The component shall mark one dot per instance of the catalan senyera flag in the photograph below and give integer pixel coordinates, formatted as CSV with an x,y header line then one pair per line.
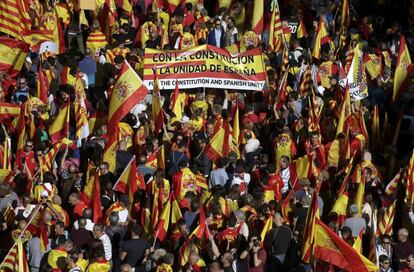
x,y
330,248
62,12
322,37
14,17
281,96
81,118
347,172
340,207
345,17
130,180
164,221
393,184
386,221
9,215
401,72
219,145
184,253
309,231
157,111
201,182
409,181
96,40
12,54
257,18
16,259
276,31
301,32
127,92
46,161
306,83
59,128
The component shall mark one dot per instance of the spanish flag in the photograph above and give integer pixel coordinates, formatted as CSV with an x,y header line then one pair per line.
x,y
164,221
219,146
9,110
157,111
322,37
59,128
344,121
286,208
12,54
358,242
268,224
43,235
340,208
301,32
401,69
386,221
42,85
35,37
92,191
330,248
177,108
309,232
375,128
16,259
409,179
281,95
176,214
128,91
14,17
236,125
172,5
359,197
21,127
130,180
202,230
345,17
257,18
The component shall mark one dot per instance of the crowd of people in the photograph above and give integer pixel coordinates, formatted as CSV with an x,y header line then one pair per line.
x,y
302,154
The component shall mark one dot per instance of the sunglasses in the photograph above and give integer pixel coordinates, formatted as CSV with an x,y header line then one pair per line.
x,y
30,146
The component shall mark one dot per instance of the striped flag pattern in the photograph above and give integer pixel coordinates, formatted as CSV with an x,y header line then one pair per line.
x,y
276,31
392,186
306,83
409,179
14,17
386,222
16,260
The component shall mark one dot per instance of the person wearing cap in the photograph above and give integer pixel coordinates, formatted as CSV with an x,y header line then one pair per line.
x,y
356,223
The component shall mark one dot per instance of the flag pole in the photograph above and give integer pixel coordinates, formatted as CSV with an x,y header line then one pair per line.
x,y
123,172
20,236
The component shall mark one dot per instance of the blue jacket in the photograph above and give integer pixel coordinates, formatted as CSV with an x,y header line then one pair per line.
x,y
211,37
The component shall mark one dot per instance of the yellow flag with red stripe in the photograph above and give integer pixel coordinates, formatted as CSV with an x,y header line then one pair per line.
x,y
266,228
59,128
401,69
164,221
12,55
257,18
128,91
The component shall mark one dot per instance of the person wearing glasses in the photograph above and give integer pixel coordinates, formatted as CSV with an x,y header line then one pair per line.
x,y
216,34
384,248
385,264
25,160
22,91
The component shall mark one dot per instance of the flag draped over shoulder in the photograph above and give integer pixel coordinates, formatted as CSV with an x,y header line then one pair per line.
x,y
14,17
401,69
330,248
257,19
59,128
128,91
16,260
12,55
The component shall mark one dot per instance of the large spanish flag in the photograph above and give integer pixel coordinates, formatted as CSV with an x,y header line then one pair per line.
x,y
128,91
12,55
330,248
14,17
401,69
59,128
257,18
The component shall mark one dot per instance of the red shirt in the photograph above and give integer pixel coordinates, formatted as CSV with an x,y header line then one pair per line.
x,y
250,117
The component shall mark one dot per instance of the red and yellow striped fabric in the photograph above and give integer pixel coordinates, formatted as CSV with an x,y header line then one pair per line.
x,y
60,126
14,17
12,54
96,41
386,221
16,260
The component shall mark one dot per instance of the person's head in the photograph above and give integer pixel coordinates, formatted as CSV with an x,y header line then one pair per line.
x,y
82,222
346,233
410,261
384,261
222,163
278,219
22,83
98,230
113,218
104,168
87,213
386,241
28,146
22,224
215,266
402,235
217,23
136,231
284,161
314,138
227,259
353,210
122,145
59,228
126,268
74,199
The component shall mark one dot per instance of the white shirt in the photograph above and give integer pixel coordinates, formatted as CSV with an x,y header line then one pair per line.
x,y
251,146
285,175
237,180
107,246
89,225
